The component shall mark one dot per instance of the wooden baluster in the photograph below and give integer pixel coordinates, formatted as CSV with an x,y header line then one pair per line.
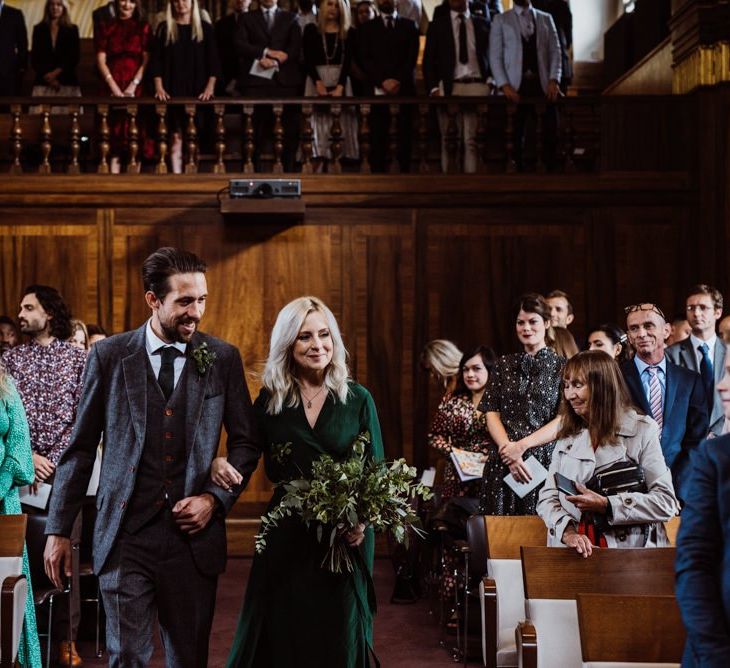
x,y
45,166
74,167
307,135
481,137
133,165
540,137
162,145
568,141
248,142
104,146
452,141
393,138
423,167
364,138
511,167
16,139
220,133
278,167
596,125
191,135
335,164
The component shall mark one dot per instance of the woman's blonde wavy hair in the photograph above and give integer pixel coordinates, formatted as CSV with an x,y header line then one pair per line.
x,y
279,376
196,20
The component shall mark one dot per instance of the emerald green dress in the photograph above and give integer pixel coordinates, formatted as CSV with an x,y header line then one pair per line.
x,y
295,613
16,469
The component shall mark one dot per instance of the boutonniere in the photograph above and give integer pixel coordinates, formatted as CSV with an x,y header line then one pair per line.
x,y
204,358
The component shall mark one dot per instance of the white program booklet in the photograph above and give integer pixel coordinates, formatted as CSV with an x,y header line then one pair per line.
x,y
262,72
537,471
37,500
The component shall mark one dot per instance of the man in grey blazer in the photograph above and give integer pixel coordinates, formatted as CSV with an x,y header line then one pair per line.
x,y
525,60
159,395
703,351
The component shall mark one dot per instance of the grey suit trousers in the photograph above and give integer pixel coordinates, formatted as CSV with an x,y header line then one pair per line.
x,y
151,574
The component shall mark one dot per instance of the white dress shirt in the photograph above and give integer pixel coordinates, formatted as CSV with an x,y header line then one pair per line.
x,y
153,343
471,67
696,343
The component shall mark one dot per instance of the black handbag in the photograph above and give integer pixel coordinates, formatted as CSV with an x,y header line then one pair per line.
x,y
620,477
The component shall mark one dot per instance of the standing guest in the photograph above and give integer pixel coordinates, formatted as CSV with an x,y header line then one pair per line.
x,y
101,15
561,310
327,51
703,550
478,7
269,39
413,10
388,53
679,330
672,395
184,63
122,54
295,613
96,334
703,351
723,329
525,59
456,62
161,395
56,53
9,334
610,339
442,359
16,470
307,13
47,373
225,35
521,403
563,19
79,335
599,429
564,343
13,50
364,11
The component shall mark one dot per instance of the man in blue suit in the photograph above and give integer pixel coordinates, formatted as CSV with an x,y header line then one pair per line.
x,y
672,395
703,550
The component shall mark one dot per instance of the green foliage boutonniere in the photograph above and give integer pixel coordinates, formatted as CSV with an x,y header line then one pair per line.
x,y
204,358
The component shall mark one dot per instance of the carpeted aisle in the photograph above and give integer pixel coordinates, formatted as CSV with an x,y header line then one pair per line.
x,y
405,635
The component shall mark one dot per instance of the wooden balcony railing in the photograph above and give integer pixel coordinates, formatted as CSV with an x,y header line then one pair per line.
x,y
77,135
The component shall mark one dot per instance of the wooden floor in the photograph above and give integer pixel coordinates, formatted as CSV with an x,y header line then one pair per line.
x,y
405,635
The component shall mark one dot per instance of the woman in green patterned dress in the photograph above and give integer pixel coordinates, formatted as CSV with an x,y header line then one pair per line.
x,y
16,469
297,613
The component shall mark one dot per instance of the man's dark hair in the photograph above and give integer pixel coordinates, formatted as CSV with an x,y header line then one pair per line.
x,y
559,294
7,320
96,330
52,302
703,289
166,262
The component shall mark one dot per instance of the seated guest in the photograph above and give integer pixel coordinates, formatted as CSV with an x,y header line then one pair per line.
x,y
269,39
610,339
363,12
225,34
13,50
563,343
56,53
442,359
327,57
388,52
96,333
525,59
79,335
184,63
598,430
9,333
456,62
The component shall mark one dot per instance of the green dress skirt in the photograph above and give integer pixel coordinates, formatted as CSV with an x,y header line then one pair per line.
x,y
295,613
16,469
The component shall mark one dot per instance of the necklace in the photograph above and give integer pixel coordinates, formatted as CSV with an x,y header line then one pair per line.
x,y
310,399
327,56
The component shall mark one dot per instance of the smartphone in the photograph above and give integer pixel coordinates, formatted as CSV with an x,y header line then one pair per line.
x,y
565,485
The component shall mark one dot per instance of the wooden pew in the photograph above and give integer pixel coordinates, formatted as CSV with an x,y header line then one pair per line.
x,y
630,629
13,586
553,578
672,529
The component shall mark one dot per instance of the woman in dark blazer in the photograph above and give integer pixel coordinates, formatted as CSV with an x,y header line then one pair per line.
x,y
56,51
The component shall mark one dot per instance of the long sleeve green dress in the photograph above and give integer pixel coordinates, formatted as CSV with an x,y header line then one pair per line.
x,y
296,613
16,469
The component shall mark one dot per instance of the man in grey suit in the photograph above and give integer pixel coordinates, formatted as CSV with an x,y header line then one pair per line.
x,y
160,395
703,351
525,60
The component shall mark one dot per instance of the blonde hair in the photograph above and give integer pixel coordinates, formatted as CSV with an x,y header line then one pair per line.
x,y
279,376
64,20
563,342
196,20
443,357
344,19
79,326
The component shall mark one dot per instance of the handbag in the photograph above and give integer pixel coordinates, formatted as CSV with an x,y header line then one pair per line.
x,y
626,476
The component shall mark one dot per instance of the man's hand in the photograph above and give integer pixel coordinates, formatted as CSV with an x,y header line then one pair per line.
x,y
588,501
281,56
511,94
268,63
553,90
193,513
391,86
43,466
57,559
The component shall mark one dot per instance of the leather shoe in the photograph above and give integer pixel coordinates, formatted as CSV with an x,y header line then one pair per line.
x,y
67,654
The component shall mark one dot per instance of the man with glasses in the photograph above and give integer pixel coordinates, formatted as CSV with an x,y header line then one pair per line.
x,y
674,396
703,351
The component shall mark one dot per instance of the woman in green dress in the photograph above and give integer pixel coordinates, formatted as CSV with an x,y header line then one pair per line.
x,y
16,469
297,613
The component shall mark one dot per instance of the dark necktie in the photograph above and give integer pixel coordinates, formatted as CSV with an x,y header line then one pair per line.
x,y
389,20
463,53
706,374
166,379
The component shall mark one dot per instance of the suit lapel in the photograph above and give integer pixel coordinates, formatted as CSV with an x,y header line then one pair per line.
x,y
262,21
719,364
689,359
671,389
196,385
636,388
134,367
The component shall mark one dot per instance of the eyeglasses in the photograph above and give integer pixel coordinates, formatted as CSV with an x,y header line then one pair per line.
x,y
703,308
644,307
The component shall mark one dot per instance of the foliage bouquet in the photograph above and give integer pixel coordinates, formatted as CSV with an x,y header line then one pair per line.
x,y
340,495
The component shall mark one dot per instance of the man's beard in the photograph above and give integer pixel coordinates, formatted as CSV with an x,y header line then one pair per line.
x,y
173,333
